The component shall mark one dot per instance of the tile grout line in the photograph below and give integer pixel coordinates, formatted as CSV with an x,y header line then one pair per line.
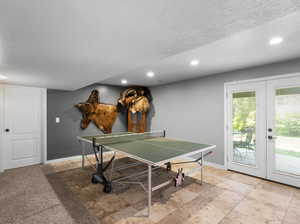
x,y
35,213
289,204
232,209
244,197
281,221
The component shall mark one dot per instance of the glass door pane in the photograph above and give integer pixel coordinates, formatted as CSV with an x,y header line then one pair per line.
x,y
244,128
287,129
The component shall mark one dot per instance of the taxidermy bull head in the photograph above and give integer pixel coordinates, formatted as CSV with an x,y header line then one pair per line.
x,y
135,99
103,115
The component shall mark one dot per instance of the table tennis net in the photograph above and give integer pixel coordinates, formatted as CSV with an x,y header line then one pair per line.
x,y
126,137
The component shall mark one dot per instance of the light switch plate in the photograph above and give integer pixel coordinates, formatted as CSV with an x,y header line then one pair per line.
x,y
57,120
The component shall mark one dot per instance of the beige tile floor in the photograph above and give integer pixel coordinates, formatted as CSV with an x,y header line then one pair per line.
x,y
226,197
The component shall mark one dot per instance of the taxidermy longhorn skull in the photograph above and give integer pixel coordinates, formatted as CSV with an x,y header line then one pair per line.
x,y
103,115
135,99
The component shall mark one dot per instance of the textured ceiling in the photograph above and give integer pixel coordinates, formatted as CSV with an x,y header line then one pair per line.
x,y
244,49
68,44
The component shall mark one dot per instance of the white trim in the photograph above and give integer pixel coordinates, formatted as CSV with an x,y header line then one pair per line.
x,y
43,123
44,127
226,85
78,157
287,80
1,127
267,78
215,165
259,87
273,174
225,127
63,159
206,163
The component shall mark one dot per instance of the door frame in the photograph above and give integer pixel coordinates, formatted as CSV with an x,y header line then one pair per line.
x,y
273,174
43,123
259,168
44,126
226,101
1,127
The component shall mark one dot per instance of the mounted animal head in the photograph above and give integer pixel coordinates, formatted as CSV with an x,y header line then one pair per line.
x,y
87,109
135,99
103,115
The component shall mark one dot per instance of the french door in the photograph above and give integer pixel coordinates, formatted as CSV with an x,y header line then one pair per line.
x,y
284,130
246,128
263,129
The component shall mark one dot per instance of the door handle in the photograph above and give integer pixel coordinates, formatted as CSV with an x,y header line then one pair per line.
x,y
270,137
7,130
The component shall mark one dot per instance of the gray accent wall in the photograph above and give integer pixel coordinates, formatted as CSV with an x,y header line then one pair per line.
x,y
194,109
61,137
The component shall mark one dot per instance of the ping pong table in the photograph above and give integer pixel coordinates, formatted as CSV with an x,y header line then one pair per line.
x,y
150,148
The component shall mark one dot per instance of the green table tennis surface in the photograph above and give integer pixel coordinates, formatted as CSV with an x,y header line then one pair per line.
x,y
149,149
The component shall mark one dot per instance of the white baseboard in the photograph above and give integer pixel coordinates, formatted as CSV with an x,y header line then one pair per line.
x,y
71,158
215,165
64,159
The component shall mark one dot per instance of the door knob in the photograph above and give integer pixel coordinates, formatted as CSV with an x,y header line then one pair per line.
x,y
7,130
270,137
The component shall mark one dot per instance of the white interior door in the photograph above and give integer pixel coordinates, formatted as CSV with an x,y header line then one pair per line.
x,y
283,148
245,128
22,126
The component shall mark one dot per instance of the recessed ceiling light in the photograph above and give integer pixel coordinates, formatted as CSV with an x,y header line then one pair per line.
x,y
2,77
275,40
150,74
124,81
194,62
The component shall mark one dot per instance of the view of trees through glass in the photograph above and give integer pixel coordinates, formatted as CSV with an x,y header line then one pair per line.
x,y
288,112
286,131
244,125
287,146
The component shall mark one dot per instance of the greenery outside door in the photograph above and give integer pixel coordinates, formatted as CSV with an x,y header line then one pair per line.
x,y
246,128
263,128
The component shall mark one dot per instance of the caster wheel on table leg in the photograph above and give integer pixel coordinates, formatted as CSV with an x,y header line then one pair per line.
x,y
94,180
169,166
107,188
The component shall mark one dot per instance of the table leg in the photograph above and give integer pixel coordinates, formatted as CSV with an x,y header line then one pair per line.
x,y
82,153
201,167
112,168
149,189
